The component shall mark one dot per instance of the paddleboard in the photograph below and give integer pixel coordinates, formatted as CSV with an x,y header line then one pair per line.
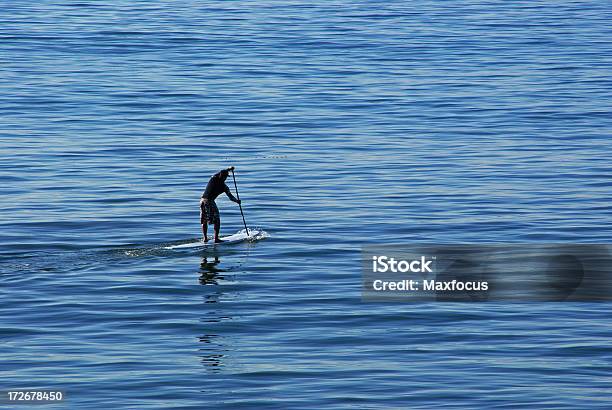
x,y
254,234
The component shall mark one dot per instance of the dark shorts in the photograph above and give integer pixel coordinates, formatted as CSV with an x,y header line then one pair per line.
x,y
208,212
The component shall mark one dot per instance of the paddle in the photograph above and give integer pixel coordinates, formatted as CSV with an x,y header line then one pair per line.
x,y
239,204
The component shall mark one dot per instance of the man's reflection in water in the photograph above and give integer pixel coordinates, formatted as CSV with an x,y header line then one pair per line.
x,y
209,273
211,349
212,353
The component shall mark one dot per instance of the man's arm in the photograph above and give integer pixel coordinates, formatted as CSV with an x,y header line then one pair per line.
x,y
230,196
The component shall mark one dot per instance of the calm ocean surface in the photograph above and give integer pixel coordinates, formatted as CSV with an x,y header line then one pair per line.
x,y
349,123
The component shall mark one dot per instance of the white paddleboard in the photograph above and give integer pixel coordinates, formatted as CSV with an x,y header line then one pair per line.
x,y
254,234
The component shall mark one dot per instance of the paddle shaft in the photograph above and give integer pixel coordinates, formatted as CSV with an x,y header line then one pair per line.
x,y
239,204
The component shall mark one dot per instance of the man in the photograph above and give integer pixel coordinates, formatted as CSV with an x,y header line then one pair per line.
x,y
209,213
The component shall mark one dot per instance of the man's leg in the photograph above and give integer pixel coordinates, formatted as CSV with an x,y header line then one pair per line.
x,y
217,220
217,229
204,219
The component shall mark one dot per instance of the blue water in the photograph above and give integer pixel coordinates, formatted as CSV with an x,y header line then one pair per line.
x,y
349,123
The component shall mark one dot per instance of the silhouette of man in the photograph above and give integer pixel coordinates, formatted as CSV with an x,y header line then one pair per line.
x,y
209,213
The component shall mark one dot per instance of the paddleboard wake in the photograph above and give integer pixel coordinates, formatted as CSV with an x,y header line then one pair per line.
x,y
240,236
